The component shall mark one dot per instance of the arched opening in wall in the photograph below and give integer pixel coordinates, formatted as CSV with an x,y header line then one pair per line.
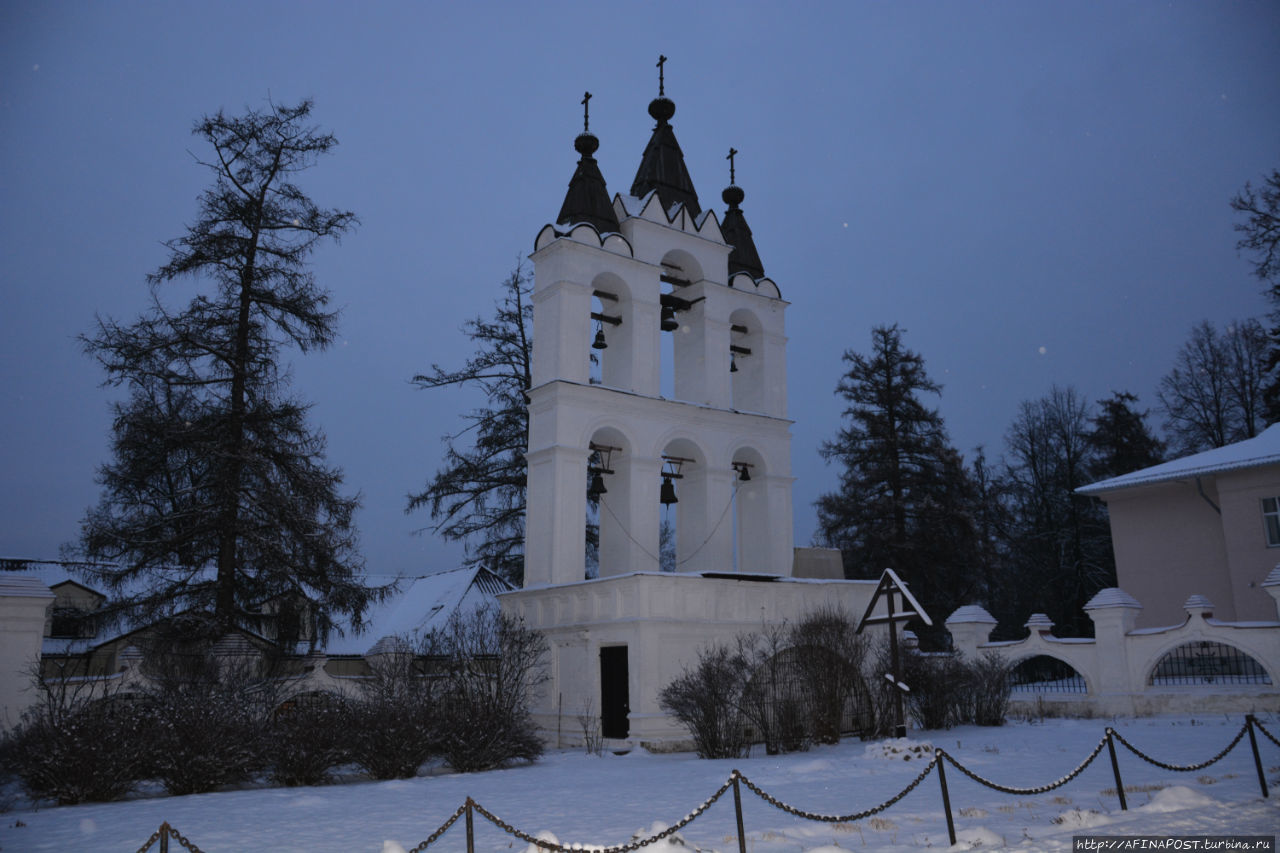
x,y
610,353
682,505
1045,674
746,361
681,342
751,528
608,504
1207,663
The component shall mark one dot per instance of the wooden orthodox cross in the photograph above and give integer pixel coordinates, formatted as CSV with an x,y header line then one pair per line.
x,y
889,586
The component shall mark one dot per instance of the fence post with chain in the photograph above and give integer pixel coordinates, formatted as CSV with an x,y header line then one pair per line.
x,y
164,837
938,756
1115,768
1257,759
737,811
471,826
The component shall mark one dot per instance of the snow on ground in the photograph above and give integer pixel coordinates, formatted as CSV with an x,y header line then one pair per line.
x,y
579,798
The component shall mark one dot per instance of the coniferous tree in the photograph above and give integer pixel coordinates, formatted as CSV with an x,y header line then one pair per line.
x,y
1261,238
904,500
1060,541
218,499
1213,396
1121,440
478,496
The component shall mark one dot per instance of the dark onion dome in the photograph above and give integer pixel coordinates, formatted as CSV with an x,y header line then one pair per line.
x,y
737,234
662,165
587,199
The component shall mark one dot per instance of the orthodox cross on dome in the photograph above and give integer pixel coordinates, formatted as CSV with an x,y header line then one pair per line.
x,y
661,82
732,153
586,115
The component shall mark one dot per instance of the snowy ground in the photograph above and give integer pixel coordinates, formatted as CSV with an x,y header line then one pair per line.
x,y
605,800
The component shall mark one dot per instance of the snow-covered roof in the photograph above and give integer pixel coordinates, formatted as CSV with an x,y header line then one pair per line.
x,y
423,605
1253,452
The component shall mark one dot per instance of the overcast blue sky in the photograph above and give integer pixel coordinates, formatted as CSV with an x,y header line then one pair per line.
x,y
1037,192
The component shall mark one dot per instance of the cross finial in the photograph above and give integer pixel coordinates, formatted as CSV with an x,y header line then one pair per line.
x,y
732,152
661,83
586,114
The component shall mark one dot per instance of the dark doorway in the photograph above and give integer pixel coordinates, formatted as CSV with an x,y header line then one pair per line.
x,y
615,697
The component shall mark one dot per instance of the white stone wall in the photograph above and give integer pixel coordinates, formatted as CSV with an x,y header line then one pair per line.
x,y
1118,662
664,620
24,601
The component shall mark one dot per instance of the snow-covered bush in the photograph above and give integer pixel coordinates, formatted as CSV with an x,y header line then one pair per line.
x,y
77,745
308,737
488,664
707,699
392,727
208,715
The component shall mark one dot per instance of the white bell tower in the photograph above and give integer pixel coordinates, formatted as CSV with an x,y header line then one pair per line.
x,y
611,279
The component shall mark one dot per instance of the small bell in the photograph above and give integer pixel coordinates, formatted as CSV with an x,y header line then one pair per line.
x,y
597,485
667,496
733,363
669,322
599,342
744,473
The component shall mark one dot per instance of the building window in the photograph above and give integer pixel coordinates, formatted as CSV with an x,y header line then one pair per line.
x,y
1271,519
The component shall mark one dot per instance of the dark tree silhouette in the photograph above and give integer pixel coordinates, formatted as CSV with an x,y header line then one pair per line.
x,y
478,496
1213,396
904,500
1260,232
218,499
1122,441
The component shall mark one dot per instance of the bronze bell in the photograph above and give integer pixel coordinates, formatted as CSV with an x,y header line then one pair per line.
x,y
668,494
599,342
597,485
669,322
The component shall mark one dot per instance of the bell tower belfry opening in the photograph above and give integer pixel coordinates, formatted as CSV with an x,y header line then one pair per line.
x,y
659,457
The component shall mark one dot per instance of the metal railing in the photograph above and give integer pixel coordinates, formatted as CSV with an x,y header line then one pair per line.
x,y
737,781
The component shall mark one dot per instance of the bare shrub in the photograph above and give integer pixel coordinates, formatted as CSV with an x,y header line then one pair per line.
x,y
707,699
488,664
391,726
589,721
208,710
80,743
308,739
829,662
774,700
989,685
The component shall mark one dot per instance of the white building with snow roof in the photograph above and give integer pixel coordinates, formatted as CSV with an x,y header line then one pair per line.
x,y
1206,524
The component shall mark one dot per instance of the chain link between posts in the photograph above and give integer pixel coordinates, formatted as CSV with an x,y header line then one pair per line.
x,y
620,848
1179,767
167,830
1006,789
1258,725
849,818
444,827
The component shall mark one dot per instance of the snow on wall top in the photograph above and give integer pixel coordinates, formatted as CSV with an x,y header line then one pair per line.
x,y
1112,596
1253,452
23,586
1197,600
1273,577
970,613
